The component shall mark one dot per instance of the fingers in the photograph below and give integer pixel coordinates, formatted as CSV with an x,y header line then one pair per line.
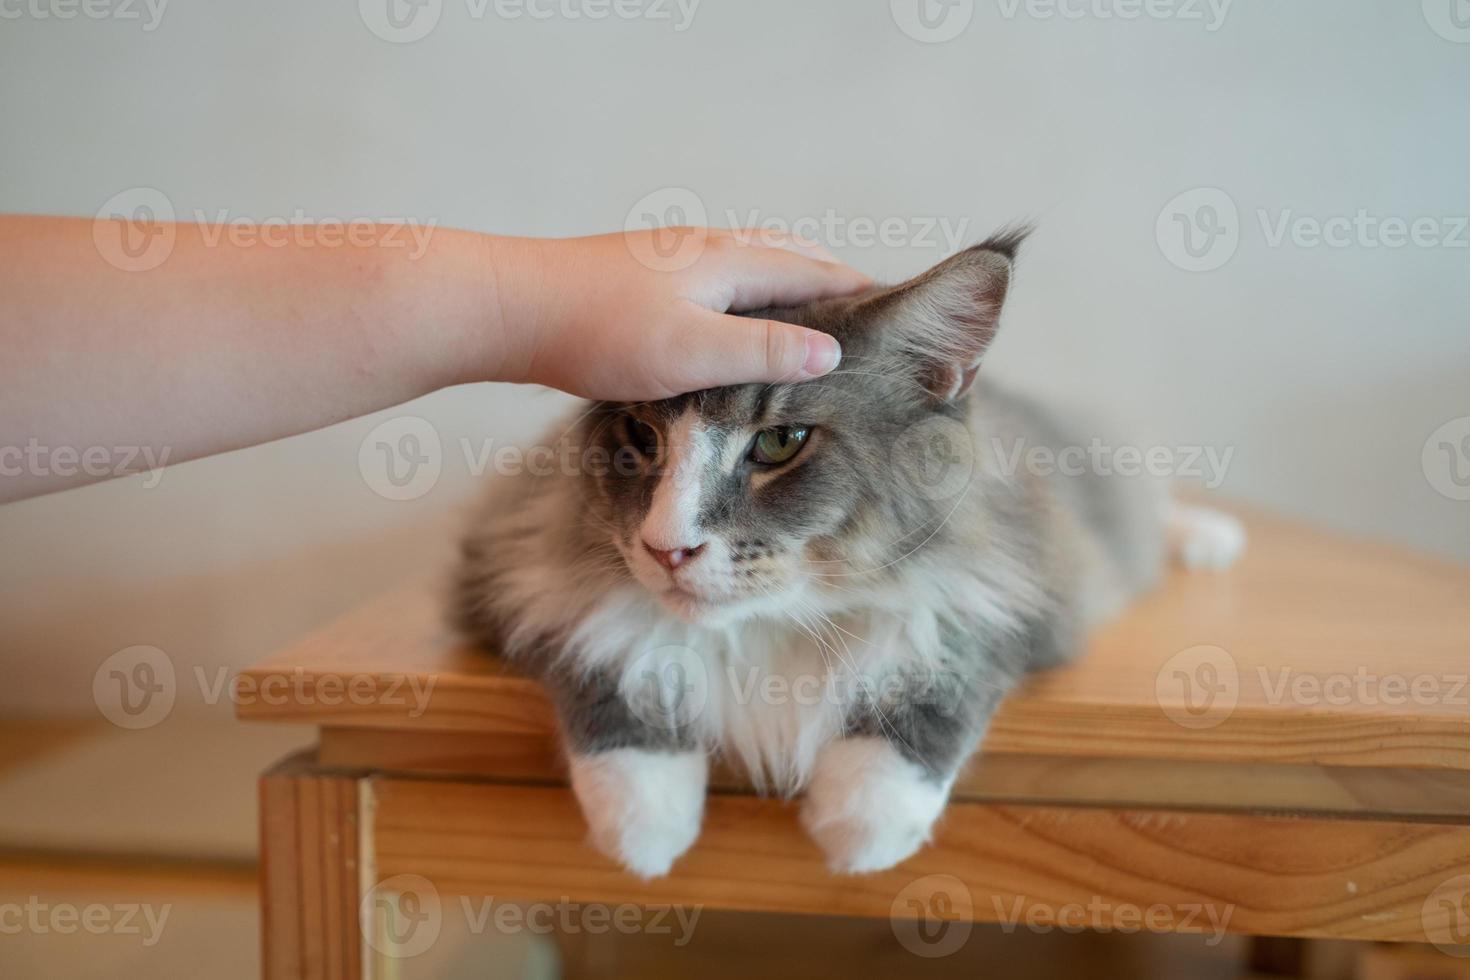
x,y
719,349
752,276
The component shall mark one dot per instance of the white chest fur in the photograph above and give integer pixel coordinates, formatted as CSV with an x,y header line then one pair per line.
x,y
766,694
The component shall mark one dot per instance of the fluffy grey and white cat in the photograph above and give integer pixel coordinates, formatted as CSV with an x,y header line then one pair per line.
x,y
830,584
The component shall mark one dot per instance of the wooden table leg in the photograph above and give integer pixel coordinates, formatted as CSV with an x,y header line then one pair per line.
x,y
310,889
1278,956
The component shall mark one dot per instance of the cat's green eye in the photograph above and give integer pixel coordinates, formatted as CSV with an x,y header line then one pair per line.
x,y
641,436
779,445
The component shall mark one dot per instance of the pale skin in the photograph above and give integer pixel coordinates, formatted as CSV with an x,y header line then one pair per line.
x,y
232,342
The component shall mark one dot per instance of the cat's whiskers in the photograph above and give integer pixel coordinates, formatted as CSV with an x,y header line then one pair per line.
x,y
602,559
597,524
815,611
909,533
877,703
850,663
888,564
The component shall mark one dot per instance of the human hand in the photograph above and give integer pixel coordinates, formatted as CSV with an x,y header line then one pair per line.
x,y
255,344
602,318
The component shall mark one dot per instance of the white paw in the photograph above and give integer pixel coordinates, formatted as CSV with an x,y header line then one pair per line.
x,y
1205,538
643,808
868,808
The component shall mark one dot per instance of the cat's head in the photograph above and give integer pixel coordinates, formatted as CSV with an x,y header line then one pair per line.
x,y
754,499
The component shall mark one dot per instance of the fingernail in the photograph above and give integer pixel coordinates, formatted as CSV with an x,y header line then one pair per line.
x,y
823,353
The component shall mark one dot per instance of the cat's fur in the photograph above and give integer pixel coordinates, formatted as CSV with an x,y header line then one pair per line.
x,y
870,602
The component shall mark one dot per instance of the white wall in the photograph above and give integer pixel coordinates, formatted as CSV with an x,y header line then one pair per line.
x,y
1325,368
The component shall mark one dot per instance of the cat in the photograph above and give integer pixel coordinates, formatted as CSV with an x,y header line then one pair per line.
x,y
830,584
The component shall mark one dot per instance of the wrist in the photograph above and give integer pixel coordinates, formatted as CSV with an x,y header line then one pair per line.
x,y
493,286
517,307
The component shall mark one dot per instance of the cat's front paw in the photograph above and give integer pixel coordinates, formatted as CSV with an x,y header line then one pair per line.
x,y
643,808
868,808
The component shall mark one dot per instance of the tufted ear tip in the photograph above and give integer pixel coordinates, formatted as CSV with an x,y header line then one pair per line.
x,y
1007,241
943,320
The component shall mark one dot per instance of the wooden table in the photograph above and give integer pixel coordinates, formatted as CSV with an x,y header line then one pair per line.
x,y
1285,746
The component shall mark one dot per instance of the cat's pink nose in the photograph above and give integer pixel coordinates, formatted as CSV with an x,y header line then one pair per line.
x,y
673,559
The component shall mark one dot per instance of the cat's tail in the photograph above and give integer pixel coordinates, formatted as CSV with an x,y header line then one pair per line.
x,y
1202,537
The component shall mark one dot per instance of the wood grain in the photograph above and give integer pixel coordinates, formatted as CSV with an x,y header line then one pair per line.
x,y
309,873
1362,879
990,778
1326,639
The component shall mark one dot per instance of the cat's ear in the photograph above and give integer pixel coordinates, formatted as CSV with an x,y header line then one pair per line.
x,y
941,322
